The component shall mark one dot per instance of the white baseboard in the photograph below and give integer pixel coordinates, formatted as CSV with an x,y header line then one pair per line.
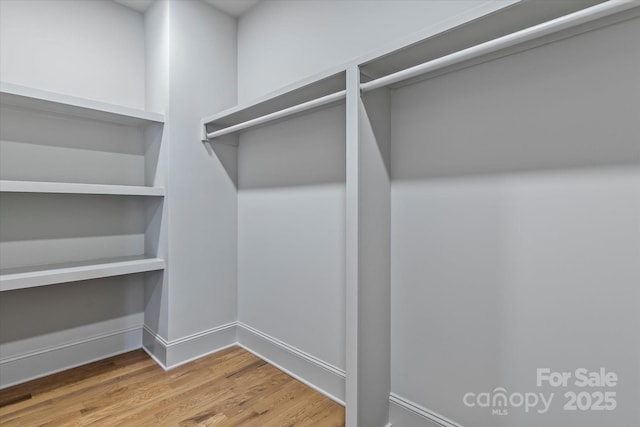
x,y
153,345
171,354
403,412
29,366
317,374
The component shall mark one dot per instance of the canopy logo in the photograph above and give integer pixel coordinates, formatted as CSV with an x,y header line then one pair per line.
x,y
500,401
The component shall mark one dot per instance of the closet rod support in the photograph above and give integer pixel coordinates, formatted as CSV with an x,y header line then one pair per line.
x,y
318,102
546,28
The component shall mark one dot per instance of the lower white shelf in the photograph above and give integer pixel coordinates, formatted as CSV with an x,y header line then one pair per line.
x,y
41,275
7,186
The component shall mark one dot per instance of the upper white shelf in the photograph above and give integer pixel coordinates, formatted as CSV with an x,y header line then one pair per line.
x,y
42,275
7,186
521,26
36,99
309,94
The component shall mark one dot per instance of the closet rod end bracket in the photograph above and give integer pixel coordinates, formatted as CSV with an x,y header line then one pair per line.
x,y
205,138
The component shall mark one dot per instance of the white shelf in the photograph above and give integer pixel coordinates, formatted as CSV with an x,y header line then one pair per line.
x,y
74,188
29,277
521,26
36,99
330,86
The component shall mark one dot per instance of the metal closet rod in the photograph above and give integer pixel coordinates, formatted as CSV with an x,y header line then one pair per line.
x,y
574,19
279,114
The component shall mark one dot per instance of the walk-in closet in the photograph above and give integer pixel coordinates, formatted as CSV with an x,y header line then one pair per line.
x,y
360,213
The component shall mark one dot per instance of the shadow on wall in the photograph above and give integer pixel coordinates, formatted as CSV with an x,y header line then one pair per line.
x,y
58,216
307,150
57,130
535,111
226,154
47,316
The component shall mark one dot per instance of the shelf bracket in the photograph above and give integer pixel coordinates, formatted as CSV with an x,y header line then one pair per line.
x,y
204,137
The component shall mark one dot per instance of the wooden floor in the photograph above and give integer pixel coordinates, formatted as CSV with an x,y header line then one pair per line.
x,y
230,388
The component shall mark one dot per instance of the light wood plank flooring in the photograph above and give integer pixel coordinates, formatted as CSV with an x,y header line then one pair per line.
x,y
229,388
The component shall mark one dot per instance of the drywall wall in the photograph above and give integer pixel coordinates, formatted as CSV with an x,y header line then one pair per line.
x,y
291,224
191,309
516,232
157,44
282,41
156,293
92,49
202,190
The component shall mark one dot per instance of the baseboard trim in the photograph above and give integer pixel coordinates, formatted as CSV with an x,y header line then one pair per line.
x,y
317,374
40,363
405,412
171,354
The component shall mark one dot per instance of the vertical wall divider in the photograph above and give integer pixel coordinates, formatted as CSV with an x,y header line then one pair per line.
x,y
374,257
368,236
352,245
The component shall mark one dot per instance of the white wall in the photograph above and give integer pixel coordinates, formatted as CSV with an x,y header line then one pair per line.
x,y
283,41
92,49
157,62
156,54
516,229
202,190
291,222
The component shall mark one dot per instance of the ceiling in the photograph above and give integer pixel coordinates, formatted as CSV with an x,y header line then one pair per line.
x,y
139,5
232,7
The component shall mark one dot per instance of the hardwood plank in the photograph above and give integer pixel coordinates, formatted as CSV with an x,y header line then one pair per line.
x,y
187,391
230,388
67,397
9,400
60,379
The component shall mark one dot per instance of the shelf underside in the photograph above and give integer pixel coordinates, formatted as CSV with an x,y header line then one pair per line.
x,y
41,275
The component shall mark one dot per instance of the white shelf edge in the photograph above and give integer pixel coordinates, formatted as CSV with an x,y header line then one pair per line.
x,y
34,97
72,272
8,186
